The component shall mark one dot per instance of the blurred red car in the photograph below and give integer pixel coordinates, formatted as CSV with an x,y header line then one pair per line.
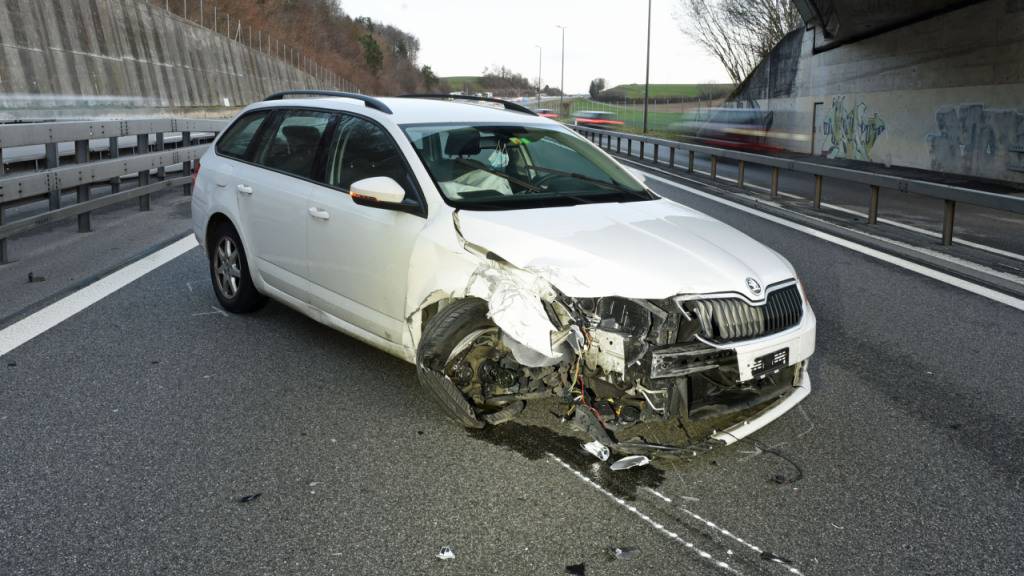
x,y
596,119
546,113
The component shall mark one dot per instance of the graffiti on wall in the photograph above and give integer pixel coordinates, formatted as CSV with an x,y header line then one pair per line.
x,y
850,132
976,140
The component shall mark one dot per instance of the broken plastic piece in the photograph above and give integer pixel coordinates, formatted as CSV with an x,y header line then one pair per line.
x,y
506,414
625,553
598,450
446,553
630,462
249,498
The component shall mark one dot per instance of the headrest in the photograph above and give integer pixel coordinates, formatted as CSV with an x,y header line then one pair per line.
x,y
464,142
301,135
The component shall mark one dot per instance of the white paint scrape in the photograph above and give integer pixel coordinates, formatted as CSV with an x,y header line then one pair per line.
x,y
28,328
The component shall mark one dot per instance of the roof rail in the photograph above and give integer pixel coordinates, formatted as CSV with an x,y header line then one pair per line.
x,y
370,101
508,105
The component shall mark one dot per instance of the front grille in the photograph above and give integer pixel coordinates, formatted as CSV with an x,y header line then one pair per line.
x,y
727,319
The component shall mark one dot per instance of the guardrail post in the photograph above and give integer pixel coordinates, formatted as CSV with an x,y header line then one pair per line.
x,y
655,157
629,146
142,148
186,166
817,191
873,207
689,165
618,143
714,166
740,175
161,172
82,157
52,160
641,150
947,222
672,157
775,182
115,152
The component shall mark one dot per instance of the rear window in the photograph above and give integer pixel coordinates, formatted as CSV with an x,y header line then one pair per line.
x,y
236,140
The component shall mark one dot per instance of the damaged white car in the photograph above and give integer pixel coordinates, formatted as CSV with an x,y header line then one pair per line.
x,y
509,259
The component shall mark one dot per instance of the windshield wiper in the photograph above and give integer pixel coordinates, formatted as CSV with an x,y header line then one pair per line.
x,y
609,185
489,170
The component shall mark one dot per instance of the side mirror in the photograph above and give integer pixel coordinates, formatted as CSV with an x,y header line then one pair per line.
x,y
376,191
637,174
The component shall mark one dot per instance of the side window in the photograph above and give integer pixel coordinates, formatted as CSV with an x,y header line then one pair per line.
x,y
362,149
293,146
239,135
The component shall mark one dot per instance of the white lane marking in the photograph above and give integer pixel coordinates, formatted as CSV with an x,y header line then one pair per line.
x,y
658,494
31,326
949,279
650,521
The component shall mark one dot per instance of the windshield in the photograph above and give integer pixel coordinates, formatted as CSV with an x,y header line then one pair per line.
x,y
509,167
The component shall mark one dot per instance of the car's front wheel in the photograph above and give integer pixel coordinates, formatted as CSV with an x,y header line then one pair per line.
x,y
229,270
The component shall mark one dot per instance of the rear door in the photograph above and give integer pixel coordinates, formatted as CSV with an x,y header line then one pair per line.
x,y
273,197
359,255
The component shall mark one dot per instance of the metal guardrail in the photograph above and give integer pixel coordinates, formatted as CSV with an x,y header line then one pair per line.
x,y
949,194
148,157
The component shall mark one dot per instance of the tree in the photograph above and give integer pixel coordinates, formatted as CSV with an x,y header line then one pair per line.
x,y
596,86
740,33
372,53
430,80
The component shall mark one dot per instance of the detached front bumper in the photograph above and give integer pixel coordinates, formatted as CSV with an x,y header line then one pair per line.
x,y
743,429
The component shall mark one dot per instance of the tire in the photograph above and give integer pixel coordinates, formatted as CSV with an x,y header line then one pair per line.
x,y
229,271
440,336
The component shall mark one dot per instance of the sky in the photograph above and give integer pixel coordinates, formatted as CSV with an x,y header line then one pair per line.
x,y
603,38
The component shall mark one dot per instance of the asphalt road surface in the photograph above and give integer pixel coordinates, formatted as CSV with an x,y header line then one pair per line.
x,y
154,434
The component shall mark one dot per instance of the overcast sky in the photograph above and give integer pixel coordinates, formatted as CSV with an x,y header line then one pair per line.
x,y
603,38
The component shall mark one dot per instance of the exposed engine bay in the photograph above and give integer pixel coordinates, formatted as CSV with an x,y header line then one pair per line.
x,y
618,363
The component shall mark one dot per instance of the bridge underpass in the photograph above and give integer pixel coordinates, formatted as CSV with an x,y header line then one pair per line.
x,y
134,430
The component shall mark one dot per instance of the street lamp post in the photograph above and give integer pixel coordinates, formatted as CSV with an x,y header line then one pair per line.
x,y
647,76
561,82
540,60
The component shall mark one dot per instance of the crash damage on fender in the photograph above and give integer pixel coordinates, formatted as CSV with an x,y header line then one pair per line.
x,y
621,354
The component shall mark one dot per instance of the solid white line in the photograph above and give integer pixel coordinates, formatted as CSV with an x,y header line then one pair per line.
x,y
28,328
949,279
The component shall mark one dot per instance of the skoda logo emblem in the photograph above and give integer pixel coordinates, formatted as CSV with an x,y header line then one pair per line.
x,y
754,287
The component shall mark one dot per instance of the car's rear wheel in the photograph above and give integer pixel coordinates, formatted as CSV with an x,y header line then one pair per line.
x,y
453,346
229,270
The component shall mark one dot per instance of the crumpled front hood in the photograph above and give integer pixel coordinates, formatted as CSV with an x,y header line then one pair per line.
x,y
652,250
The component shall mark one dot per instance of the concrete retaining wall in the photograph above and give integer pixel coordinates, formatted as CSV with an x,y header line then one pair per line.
x,y
98,57
945,93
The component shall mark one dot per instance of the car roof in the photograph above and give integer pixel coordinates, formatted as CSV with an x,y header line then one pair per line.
x,y
416,110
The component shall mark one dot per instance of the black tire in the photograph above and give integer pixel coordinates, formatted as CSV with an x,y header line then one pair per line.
x,y
440,336
238,294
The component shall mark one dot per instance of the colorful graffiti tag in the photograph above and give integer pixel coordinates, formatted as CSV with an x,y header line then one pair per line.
x,y
975,139
850,133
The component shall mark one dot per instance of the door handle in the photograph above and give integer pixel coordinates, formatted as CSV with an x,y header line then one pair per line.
x,y
319,214
247,190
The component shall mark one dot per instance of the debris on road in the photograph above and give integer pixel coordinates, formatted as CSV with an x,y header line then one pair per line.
x,y
32,278
446,553
766,555
576,569
630,462
249,498
506,414
624,553
598,450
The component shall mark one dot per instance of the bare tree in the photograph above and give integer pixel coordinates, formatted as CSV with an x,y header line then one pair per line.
x,y
740,33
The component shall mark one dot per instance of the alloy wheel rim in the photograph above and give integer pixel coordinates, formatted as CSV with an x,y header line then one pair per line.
x,y
227,268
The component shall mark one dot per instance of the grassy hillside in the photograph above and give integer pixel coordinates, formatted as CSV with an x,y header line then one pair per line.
x,y
676,92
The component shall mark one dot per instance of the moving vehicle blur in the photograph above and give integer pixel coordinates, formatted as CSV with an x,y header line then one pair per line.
x,y
740,128
596,119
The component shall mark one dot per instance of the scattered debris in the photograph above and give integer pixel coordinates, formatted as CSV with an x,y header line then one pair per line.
x,y
446,553
729,552
630,462
624,553
576,569
249,498
834,525
33,278
419,432
766,555
598,450
12,364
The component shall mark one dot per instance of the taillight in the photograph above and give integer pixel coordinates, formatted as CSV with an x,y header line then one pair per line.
x,y
195,174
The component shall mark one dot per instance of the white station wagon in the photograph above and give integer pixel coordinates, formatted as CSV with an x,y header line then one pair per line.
x,y
508,258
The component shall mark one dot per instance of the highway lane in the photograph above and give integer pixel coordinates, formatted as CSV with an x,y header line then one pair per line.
x,y
131,431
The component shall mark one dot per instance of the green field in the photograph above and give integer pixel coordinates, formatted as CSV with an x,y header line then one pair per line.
x,y
667,91
461,83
